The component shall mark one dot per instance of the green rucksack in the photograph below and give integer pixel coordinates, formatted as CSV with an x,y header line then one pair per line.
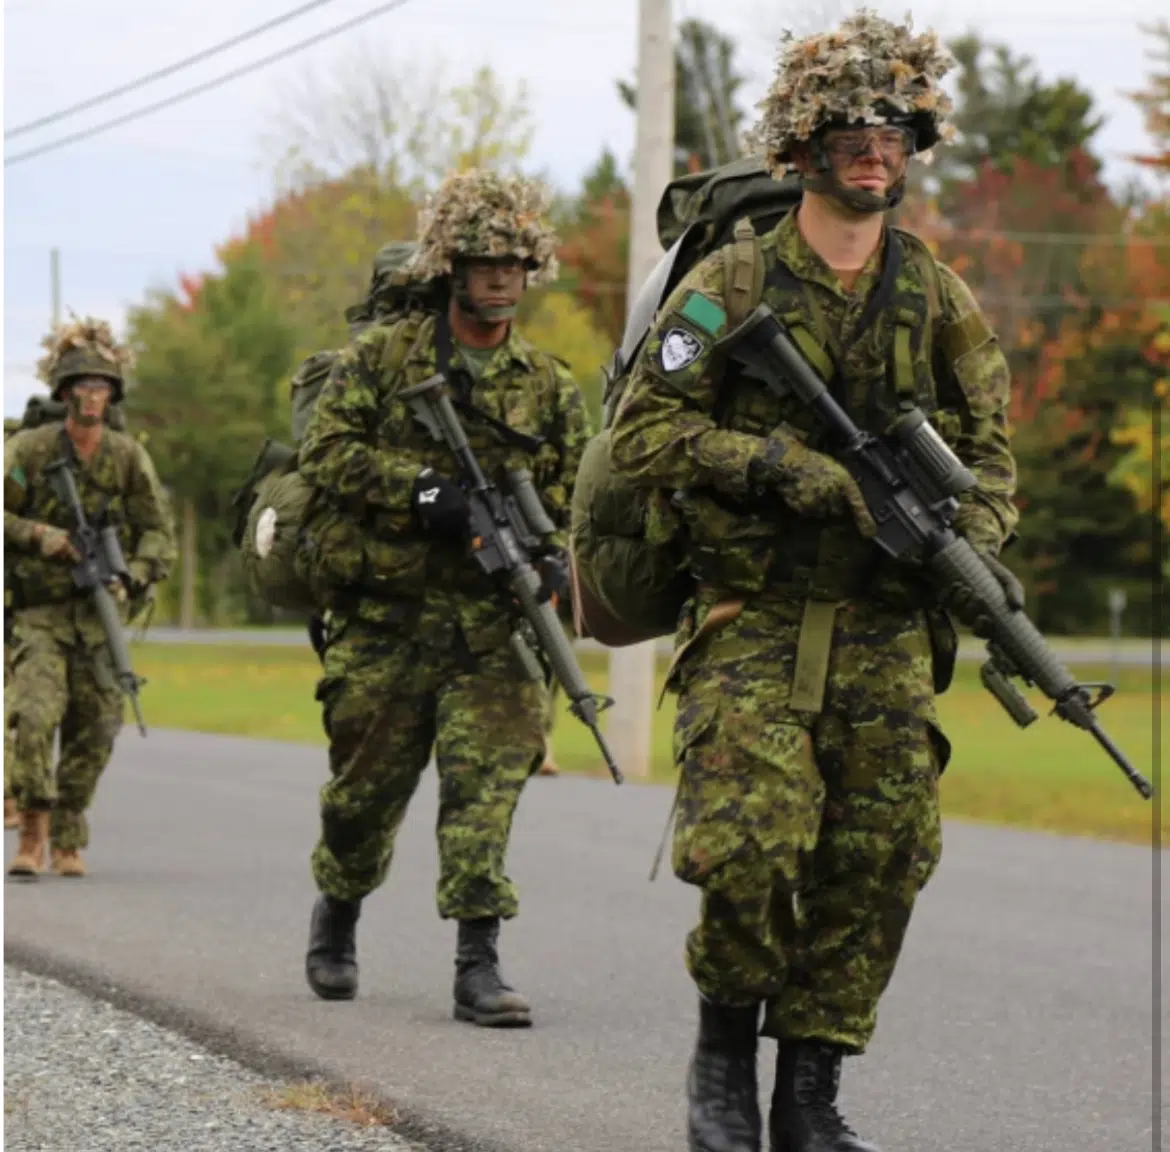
x,y
627,547
45,410
273,503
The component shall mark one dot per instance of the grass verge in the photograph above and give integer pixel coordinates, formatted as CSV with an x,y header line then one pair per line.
x,y
352,1104
1048,776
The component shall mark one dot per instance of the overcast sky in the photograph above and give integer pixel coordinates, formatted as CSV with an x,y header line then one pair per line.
x,y
137,205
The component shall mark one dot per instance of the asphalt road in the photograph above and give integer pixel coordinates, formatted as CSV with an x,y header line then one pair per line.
x,y
1020,1019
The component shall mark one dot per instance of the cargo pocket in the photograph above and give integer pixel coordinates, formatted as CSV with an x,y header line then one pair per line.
x,y
703,829
750,799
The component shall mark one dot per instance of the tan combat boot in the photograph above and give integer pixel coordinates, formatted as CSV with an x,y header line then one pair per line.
x,y
11,814
68,862
34,839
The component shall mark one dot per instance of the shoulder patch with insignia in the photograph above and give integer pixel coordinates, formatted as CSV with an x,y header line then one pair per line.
x,y
679,348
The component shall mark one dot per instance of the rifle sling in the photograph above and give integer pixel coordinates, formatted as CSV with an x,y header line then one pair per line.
x,y
510,436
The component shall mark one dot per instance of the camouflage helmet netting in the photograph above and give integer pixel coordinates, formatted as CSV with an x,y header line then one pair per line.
x,y
83,347
869,70
479,213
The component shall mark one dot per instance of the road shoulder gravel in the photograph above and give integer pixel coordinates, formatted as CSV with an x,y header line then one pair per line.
x,y
81,1075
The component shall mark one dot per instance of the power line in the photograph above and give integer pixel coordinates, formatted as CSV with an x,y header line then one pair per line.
x,y
206,86
169,70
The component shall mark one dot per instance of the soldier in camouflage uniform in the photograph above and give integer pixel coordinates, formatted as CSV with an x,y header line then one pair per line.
x,y
61,675
418,656
11,815
806,737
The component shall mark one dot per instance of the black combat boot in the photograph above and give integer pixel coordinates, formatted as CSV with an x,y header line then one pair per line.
x,y
723,1106
804,1114
481,995
331,962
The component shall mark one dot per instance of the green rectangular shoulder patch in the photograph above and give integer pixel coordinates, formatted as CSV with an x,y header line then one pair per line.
x,y
704,313
17,476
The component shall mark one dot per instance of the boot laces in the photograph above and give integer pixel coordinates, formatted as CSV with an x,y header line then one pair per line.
x,y
817,1084
827,1119
733,1078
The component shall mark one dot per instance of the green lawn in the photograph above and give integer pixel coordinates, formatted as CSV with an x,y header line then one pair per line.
x,y
1048,776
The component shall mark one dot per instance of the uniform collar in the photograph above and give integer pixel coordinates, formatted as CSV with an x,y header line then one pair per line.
x,y
794,250
514,350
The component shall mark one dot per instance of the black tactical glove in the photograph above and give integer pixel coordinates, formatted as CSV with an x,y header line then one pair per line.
x,y
554,577
959,600
440,505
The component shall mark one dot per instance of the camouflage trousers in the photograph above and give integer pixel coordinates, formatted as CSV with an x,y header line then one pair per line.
x,y
53,685
809,834
550,708
388,701
8,741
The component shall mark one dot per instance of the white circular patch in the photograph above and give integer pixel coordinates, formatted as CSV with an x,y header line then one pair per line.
x,y
265,532
679,348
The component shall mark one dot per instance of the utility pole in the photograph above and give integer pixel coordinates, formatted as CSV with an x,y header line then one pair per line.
x,y
55,284
631,670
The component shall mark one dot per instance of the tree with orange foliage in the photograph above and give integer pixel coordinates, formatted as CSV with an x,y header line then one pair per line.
x,y
594,254
317,244
1084,522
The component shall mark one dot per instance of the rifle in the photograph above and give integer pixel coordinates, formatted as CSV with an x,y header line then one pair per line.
x,y
911,481
101,563
505,528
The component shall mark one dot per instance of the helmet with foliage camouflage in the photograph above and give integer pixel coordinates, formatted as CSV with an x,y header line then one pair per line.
x,y
481,214
83,347
867,71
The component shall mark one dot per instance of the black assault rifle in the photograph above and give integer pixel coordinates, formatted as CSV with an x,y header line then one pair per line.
x,y
911,481
101,564
505,528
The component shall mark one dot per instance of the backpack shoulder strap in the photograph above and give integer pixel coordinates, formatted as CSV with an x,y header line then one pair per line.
x,y
957,338
923,260
406,334
743,272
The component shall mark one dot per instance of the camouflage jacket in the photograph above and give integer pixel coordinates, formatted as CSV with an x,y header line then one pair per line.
x,y
690,420
119,483
363,449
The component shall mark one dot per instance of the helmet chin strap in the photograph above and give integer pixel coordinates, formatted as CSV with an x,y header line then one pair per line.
x,y
825,183
494,315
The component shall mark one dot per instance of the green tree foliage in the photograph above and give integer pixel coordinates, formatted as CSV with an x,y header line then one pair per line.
x,y
1005,112
211,362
